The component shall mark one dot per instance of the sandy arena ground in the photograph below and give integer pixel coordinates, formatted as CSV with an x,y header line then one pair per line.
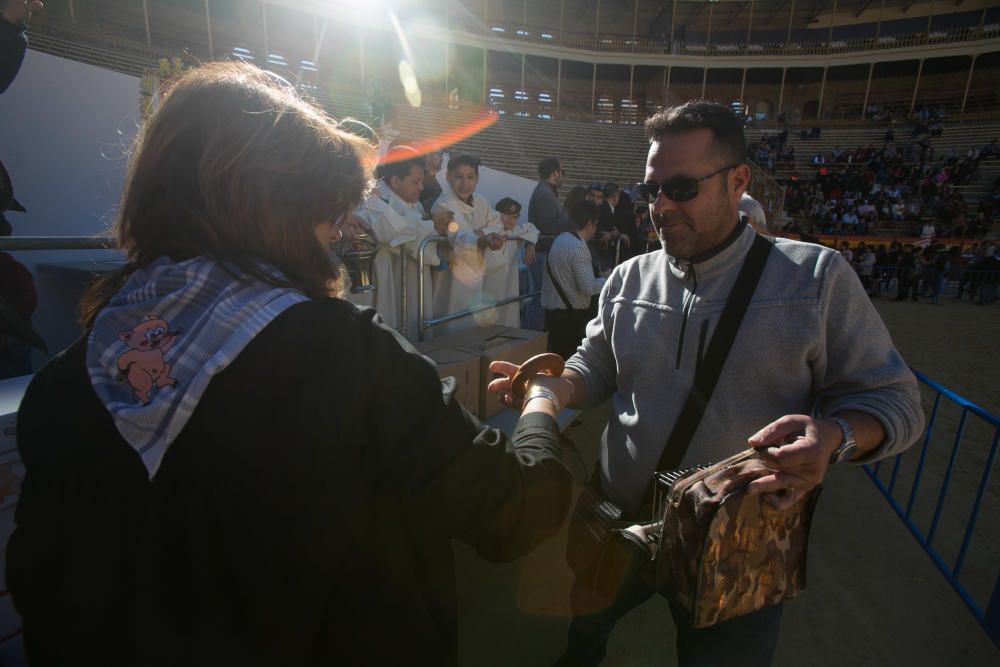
x,y
874,597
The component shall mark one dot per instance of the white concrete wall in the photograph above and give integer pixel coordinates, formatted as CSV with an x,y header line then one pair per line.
x,y
64,136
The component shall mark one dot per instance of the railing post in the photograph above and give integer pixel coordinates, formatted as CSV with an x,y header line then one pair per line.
x,y
145,16
864,105
968,83
208,23
916,86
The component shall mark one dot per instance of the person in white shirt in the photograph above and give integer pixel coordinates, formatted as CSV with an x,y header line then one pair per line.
x,y
395,217
850,222
568,283
501,279
754,213
461,287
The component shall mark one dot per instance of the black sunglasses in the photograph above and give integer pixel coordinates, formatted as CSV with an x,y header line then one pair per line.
x,y
681,188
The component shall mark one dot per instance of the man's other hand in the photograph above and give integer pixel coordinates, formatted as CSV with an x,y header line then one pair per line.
x,y
798,447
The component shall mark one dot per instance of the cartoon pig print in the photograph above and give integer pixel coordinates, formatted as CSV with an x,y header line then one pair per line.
x,y
143,366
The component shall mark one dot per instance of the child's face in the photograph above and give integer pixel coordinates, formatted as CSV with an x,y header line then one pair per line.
x,y
463,180
509,219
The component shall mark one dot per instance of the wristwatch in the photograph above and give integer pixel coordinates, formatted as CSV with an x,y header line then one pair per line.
x,y
846,450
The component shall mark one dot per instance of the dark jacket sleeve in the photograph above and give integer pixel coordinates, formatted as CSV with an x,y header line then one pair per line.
x,y
503,496
13,44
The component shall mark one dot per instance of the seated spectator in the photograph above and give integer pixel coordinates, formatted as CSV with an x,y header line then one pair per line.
x,y
502,280
897,212
850,222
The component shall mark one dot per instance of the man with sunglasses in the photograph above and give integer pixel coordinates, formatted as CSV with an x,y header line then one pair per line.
x,y
798,383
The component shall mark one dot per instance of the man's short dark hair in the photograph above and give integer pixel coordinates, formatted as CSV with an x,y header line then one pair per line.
x,y
456,161
547,167
399,161
611,189
727,131
583,212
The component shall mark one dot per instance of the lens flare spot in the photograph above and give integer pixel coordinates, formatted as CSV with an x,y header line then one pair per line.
x,y
411,88
433,144
487,317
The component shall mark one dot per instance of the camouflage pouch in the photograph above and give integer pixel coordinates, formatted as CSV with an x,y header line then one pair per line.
x,y
722,553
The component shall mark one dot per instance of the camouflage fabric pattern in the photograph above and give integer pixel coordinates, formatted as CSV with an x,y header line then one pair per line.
x,y
723,553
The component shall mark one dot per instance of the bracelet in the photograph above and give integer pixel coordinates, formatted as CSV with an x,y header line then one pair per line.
x,y
537,391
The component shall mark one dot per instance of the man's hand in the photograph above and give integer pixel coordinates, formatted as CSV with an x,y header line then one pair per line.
x,y
626,241
798,447
17,12
529,253
562,387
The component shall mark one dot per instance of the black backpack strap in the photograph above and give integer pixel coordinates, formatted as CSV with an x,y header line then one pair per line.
x,y
710,369
555,283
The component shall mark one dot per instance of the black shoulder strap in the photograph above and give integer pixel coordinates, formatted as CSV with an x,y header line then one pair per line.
x,y
555,283
710,369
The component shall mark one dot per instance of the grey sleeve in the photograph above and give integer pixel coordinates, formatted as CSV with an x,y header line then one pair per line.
x,y
595,359
859,368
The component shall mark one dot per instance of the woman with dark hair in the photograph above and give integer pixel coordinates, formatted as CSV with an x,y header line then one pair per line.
x,y
232,467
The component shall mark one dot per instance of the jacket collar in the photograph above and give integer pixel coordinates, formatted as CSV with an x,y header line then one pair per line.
x,y
719,259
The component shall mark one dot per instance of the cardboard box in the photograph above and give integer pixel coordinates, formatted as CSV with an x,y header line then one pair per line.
x,y
463,366
500,343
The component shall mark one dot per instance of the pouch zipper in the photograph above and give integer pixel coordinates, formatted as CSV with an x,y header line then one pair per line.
x,y
686,310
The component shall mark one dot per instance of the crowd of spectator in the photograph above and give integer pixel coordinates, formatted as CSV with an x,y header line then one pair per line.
x,y
914,272
898,185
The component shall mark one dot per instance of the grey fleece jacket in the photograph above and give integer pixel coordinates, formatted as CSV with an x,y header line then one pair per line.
x,y
810,343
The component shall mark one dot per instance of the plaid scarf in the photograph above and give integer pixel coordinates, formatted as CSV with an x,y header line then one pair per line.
x,y
172,327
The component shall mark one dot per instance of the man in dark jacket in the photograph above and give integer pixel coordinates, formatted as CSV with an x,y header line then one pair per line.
x,y
545,213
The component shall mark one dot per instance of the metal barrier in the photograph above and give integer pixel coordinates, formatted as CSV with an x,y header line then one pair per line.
x,y
989,618
422,326
57,243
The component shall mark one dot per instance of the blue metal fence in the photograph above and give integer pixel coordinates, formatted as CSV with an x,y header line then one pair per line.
x,y
989,618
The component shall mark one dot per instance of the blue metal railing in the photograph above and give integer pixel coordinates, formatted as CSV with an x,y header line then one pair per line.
x,y
989,618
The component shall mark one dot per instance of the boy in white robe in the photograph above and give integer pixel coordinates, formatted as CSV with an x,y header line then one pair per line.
x,y
461,287
395,216
501,280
